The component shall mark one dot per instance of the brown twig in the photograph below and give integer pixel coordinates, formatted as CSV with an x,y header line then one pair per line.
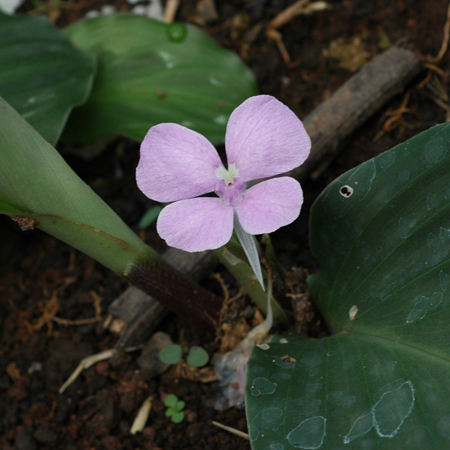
x,y
426,80
225,290
51,308
444,45
287,15
392,122
75,322
277,37
284,17
434,68
444,106
97,303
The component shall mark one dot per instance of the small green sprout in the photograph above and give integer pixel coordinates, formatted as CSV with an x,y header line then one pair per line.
x,y
174,408
197,356
170,354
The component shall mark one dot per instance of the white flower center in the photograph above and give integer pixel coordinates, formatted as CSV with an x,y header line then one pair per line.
x,y
227,175
229,187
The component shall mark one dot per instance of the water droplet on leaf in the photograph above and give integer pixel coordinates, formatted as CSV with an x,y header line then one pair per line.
x,y
176,32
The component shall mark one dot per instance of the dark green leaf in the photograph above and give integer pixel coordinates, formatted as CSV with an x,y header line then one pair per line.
x,y
42,75
150,73
381,233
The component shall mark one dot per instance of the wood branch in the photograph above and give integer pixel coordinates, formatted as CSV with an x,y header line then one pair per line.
x,y
332,122
141,313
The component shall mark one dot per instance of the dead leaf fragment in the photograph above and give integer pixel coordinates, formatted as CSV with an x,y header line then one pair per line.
x,y
351,55
287,358
207,10
25,223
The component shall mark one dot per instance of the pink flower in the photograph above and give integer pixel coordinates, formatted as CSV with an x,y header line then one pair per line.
x,y
263,138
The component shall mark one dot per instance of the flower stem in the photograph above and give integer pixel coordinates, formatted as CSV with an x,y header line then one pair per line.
x,y
233,258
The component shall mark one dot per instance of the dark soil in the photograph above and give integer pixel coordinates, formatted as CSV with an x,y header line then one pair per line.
x,y
53,300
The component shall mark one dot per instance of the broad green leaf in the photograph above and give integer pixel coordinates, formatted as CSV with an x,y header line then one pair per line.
x,y
381,233
149,73
42,75
36,183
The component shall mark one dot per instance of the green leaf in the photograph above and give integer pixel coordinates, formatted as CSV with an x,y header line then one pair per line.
x,y
381,233
179,405
170,400
149,73
150,216
178,417
36,183
250,246
170,354
42,75
197,357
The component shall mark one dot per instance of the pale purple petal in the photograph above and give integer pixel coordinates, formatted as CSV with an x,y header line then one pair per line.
x,y
265,138
270,205
196,224
176,163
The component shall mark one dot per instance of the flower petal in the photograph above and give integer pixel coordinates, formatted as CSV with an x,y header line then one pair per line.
x,y
176,163
270,205
196,224
265,138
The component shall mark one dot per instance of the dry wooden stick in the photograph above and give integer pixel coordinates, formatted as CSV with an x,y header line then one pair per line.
x,y
171,10
332,122
232,430
286,15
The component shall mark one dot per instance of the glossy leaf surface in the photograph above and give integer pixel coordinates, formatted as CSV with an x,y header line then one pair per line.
x,y
42,75
381,233
36,183
150,72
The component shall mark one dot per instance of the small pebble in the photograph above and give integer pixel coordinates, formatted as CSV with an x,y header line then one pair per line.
x,y
25,440
46,436
191,416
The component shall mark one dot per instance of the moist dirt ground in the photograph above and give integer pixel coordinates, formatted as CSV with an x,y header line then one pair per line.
x,y
53,299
